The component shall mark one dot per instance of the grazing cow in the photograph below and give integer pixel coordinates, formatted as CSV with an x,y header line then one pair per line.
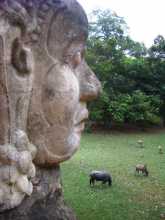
x,y
141,168
100,176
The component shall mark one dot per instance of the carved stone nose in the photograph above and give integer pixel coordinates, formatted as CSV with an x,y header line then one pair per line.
x,y
90,86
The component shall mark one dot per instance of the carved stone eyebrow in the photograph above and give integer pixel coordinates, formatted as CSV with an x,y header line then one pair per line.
x,y
30,15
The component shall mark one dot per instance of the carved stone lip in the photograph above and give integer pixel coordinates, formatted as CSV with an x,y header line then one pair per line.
x,y
80,127
82,118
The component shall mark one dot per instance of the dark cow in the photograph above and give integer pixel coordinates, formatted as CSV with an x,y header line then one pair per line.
x,y
100,176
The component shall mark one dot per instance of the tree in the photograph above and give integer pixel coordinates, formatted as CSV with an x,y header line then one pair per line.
x,y
133,80
107,24
157,50
137,108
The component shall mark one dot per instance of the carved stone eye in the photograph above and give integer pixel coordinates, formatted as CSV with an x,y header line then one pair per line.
x,y
76,60
49,93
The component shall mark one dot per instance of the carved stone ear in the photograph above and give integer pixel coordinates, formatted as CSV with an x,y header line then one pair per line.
x,y
22,58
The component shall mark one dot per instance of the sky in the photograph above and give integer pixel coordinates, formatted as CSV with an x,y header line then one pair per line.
x,y
145,18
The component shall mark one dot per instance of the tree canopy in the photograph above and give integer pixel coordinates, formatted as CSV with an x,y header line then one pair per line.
x,y
132,76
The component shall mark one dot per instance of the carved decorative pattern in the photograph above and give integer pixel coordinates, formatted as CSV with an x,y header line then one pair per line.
x,y
30,15
4,112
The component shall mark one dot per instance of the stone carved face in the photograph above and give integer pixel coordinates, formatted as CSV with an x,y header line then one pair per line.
x,y
63,84
49,82
54,68
44,87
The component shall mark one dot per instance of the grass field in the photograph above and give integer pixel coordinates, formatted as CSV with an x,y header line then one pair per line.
x,y
132,196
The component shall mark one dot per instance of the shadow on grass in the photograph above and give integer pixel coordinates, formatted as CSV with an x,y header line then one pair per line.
x,y
140,175
100,187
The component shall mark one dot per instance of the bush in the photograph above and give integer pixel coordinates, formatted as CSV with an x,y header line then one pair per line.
x,y
137,108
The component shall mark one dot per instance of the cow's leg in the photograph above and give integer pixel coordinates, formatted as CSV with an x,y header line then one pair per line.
x,y
92,181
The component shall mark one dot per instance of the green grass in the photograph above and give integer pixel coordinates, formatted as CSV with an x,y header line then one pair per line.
x,y
131,197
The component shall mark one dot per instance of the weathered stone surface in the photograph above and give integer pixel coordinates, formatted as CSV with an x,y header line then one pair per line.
x,y
45,84
46,202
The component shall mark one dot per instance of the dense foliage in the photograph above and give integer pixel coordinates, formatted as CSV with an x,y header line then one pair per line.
x,y
132,76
